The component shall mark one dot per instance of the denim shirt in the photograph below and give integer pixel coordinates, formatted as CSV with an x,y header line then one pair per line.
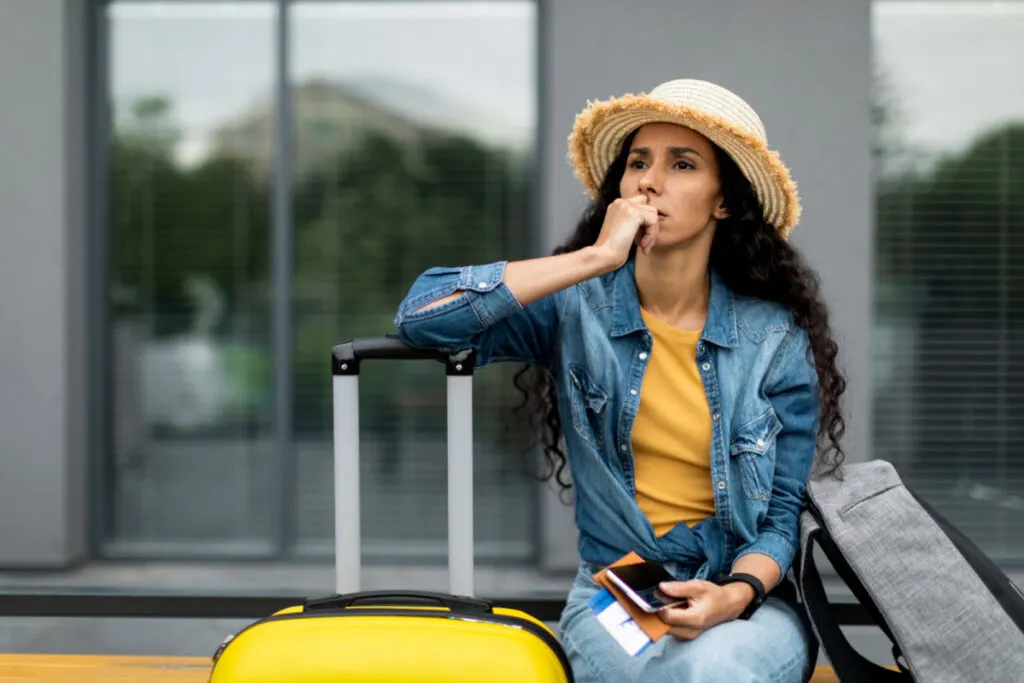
x,y
760,387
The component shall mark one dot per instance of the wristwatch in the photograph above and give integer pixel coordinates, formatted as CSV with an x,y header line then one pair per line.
x,y
759,591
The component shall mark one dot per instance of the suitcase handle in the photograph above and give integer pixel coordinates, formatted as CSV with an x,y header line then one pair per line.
x,y
456,604
459,366
347,355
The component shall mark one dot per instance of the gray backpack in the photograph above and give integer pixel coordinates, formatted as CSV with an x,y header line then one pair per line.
x,y
950,612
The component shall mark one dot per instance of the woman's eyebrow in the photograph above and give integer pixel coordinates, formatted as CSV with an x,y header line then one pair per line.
x,y
674,151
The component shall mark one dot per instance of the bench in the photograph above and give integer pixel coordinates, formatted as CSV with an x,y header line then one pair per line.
x,y
114,669
118,669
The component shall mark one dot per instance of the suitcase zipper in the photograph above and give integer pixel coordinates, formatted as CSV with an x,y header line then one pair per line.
x,y
514,622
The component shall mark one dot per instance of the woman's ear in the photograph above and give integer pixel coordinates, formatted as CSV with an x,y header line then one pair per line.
x,y
721,212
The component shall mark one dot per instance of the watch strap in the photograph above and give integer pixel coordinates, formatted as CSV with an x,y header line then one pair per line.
x,y
760,594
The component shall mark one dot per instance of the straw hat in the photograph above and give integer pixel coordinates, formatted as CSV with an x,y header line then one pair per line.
x,y
711,110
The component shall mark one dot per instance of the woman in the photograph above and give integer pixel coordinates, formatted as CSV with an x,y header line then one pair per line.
x,y
686,346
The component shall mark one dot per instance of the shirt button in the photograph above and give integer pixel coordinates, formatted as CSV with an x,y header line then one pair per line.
x,y
622,448
760,442
482,284
715,416
706,366
721,485
643,355
632,392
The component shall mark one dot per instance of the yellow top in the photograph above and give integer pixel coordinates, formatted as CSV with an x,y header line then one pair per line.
x,y
672,433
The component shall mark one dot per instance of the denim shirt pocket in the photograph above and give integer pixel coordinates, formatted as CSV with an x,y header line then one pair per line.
x,y
588,403
753,448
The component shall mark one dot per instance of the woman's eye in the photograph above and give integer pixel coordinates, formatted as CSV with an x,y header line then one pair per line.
x,y
638,164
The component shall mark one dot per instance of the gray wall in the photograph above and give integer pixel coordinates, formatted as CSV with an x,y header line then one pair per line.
x,y
804,65
42,277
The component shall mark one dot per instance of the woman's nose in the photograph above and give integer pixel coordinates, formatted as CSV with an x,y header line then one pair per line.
x,y
650,179
649,184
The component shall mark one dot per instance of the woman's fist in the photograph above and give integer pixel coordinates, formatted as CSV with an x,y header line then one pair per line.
x,y
627,222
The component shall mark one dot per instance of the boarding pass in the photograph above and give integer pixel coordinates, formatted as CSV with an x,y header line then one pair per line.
x,y
617,621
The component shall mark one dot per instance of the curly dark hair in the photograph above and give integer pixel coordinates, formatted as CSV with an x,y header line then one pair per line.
x,y
753,260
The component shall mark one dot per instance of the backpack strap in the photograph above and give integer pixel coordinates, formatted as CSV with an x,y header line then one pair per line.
x,y
849,664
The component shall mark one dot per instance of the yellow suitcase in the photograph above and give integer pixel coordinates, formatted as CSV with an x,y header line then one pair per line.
x,y
362,637
373,637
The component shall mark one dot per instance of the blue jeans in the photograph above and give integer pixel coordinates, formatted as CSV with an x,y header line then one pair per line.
x,y
774,646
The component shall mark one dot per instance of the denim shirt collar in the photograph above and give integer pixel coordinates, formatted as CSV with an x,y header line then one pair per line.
x,y
719,329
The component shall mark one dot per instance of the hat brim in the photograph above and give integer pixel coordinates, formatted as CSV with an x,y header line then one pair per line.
x,y
601,128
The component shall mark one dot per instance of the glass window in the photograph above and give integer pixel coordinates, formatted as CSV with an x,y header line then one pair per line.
x,y
432,108
950,251
413,131
189,230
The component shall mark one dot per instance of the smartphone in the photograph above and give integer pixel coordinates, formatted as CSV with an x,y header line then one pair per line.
x,y
640,584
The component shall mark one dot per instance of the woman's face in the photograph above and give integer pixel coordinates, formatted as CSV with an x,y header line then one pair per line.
x,y
676,168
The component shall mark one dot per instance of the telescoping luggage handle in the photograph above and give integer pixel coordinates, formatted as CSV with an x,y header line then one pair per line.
x,y
345,361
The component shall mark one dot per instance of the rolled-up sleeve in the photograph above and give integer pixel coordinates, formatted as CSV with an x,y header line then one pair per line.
x,y
792,388
487,317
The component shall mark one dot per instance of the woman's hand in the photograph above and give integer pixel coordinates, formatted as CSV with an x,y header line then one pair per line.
x,y
627,221
708,604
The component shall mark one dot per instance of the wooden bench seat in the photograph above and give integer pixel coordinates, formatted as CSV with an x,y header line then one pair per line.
x,y
102,668
23,668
